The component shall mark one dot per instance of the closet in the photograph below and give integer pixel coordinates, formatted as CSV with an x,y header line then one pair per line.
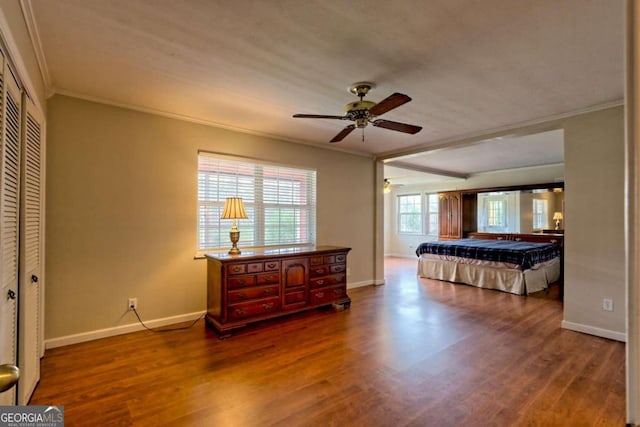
x,y
21,234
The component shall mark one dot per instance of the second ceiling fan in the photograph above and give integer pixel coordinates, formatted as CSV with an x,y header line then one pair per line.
x,y
364,112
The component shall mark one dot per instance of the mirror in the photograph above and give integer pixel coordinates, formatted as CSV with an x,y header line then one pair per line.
x,y
521,211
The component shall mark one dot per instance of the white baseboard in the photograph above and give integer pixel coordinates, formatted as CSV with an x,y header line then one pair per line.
x,y
410,256
134,327
352,285
119,330
593,330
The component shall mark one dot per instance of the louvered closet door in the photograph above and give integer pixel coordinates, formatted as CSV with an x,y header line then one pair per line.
x,y
30,319
9,216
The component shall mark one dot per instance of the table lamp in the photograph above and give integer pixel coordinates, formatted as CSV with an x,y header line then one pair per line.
x,y
234,209
557,217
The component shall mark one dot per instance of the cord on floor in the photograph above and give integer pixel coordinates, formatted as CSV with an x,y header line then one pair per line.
x,y
165,330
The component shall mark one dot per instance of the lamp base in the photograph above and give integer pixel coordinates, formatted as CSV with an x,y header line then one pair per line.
x,y
234,236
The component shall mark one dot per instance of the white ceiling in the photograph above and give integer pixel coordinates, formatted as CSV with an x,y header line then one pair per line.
x,y
470,66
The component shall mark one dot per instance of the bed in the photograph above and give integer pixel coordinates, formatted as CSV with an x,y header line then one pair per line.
x,y
517,267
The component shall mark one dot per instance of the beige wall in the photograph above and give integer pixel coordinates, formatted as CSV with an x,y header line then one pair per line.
x,y
594,209
121,211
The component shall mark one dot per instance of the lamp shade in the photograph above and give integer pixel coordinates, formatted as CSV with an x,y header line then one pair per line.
x,y
234,209
557,216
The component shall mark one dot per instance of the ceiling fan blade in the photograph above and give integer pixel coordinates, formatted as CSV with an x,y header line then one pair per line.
x,y
317,116
389,103
400,127
344,132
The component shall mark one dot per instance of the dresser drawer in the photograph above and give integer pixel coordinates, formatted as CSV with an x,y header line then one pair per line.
x,y
265,278
319,271
243,295
327,295
272,266
241,281
254,267
315,260
236,269
330,259
338,268
341,258
320,282
254,308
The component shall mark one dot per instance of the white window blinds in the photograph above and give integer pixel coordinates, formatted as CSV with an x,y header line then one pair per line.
x,y
280,203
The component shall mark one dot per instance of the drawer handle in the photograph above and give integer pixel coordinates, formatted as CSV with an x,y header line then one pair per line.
x,y
267,291
240,311
241,282
271,265
320,282
267,306
241,295
517,239
337,291
270,278
320,271
237,268
554,241
339,269
319,294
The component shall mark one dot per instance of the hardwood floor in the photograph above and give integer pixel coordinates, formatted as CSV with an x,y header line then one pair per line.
x,y
414,352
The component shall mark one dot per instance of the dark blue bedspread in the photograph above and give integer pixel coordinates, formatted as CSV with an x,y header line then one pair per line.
x,y
525,254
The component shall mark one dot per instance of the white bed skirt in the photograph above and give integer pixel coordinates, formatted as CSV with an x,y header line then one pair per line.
x,y
510,280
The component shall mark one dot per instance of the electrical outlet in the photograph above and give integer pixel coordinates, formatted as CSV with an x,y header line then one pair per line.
x,y
133,303
607,304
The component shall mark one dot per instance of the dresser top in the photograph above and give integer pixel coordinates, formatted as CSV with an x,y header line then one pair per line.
x,y
249,254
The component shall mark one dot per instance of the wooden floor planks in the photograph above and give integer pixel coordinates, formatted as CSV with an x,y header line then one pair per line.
x,y
413,352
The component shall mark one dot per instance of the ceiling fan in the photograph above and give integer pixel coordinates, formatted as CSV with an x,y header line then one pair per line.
x,y
364,112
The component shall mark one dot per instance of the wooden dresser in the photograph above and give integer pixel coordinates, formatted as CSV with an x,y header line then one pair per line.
x,y
261,284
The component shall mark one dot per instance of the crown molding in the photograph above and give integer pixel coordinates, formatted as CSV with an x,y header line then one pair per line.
x,y
16,60
210,123
523,168
36,42
518,129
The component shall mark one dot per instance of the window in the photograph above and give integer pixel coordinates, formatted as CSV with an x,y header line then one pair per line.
x,y
280,203
410,214
540,213
432,214
499,212
495,213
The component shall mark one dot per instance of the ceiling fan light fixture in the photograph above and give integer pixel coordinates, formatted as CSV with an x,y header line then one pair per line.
x,y
386,186
361,88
